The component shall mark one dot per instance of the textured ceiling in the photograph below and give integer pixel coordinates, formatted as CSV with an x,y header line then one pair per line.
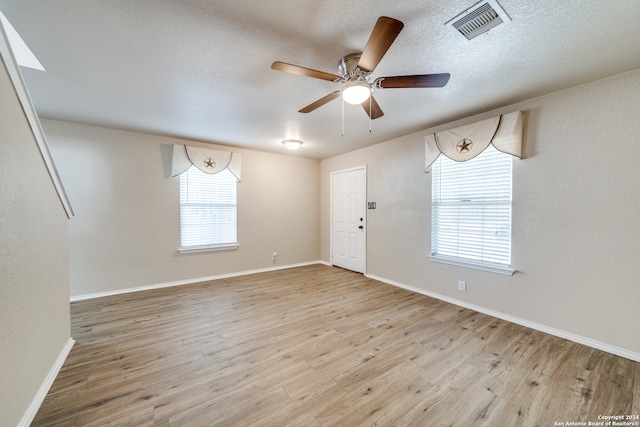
x,y
200,69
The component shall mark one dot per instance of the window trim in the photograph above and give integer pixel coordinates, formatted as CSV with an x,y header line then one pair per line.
x,y
208,248
493,267
476,265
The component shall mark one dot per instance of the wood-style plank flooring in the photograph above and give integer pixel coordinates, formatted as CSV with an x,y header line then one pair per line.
x,y
321,346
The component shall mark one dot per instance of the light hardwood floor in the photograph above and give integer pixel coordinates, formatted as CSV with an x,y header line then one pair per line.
x,y
321,346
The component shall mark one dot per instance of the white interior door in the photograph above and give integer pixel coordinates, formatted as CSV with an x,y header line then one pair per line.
x,y
348,219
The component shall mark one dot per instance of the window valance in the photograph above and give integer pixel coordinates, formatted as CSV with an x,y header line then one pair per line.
x,y
207,160
463,143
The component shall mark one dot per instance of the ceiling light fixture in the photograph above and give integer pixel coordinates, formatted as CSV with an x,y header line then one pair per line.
x,y
356,92
292,144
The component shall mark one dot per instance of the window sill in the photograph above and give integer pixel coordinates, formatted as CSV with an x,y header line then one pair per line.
x,y
484,266
208,248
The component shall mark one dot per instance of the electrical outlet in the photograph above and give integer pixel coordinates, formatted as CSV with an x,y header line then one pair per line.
x,y
462,285
274,256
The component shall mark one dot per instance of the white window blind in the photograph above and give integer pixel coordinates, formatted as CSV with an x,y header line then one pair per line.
x,y
207,209
471,210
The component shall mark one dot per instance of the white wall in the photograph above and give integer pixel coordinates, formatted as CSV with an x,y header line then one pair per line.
x,y
34,262
576,216
126,230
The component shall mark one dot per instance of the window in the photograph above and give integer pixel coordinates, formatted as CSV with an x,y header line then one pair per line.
x,y
207,210
471,211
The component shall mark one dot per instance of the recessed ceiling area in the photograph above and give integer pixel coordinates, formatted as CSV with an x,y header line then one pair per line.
x,y
201,69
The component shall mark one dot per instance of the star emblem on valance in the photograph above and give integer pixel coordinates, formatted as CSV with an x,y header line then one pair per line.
x,y
209,163
464,146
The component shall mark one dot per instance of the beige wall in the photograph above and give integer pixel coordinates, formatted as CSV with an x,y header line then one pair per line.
x,y
126,230
576,212
34,262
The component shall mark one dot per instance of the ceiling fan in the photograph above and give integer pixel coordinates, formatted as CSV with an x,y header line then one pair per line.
x,y
356,70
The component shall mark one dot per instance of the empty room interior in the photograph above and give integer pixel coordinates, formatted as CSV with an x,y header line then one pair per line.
x,y
200,225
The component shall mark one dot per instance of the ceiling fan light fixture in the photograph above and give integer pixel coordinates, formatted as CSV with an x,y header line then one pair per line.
x,y
292,144
356,92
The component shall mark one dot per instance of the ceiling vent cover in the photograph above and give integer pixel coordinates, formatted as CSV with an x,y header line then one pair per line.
x,y
479,19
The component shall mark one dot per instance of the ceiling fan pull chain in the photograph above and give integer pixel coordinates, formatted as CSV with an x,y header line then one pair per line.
x,y
343,118
370,114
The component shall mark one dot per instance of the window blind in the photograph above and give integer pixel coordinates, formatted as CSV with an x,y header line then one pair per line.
x,y
471,208
207,208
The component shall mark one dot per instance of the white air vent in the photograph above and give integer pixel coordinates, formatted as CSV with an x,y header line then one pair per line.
x,y
478,19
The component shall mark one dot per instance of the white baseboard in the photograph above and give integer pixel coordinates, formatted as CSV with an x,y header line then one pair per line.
x,y
33,408
75,298
537,326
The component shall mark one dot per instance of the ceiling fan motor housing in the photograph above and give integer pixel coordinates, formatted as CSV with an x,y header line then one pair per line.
x,y
348,68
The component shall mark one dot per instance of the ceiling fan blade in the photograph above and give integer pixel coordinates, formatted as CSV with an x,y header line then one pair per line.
x,y
381,38
302,71
320,102
376,111
419,80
